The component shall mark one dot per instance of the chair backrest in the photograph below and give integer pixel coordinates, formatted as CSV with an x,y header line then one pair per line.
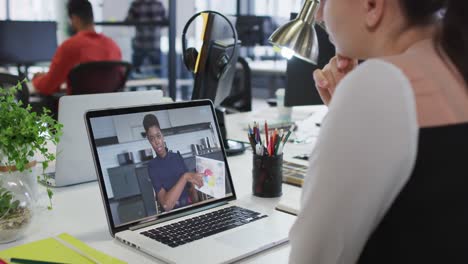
x,y
9,80
240,99
99,77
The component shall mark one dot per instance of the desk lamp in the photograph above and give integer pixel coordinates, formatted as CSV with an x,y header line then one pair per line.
x,y
298,37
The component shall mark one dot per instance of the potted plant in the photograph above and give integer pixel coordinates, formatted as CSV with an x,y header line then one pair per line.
x,y
23,134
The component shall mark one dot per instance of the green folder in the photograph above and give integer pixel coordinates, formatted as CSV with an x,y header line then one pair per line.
x,y
52,250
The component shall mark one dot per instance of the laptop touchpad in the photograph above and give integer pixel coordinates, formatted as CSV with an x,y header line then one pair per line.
x,y
248,238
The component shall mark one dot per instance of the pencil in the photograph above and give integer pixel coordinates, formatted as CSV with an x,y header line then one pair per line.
x,y
32,261
289,133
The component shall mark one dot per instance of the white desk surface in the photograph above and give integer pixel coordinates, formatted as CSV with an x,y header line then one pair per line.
x,y
78,210
305,117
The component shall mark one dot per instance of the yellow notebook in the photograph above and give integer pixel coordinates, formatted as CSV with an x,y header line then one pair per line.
x,y
52,250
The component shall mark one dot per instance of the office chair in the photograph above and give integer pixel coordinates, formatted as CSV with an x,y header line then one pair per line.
x,y
9,80
240,98
99,77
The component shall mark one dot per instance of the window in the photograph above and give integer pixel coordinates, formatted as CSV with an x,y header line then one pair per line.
x,y
224,7
3,9
33,10
276,8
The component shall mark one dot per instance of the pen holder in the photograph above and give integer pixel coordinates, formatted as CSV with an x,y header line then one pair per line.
x,y
267,175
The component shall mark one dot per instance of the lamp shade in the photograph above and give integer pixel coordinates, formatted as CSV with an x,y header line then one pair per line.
x,y
298,37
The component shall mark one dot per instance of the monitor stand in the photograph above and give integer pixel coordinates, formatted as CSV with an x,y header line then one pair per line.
x,y
231,147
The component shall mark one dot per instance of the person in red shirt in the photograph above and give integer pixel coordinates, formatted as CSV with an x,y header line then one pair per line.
x,y
87,45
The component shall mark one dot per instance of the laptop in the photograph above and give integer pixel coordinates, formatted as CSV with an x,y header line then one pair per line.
x,y
210,227
74,163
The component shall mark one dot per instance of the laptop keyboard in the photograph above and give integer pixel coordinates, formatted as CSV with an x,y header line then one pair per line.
x,y
205,225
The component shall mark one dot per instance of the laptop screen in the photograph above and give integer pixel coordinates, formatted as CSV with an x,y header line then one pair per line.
x,y
158,160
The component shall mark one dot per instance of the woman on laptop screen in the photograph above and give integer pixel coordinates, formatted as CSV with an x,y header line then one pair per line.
x,y
173,184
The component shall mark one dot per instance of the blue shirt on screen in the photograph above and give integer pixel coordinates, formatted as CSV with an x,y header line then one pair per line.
x,y
165,172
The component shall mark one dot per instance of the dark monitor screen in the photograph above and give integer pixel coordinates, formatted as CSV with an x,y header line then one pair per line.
x,y
300,84
254,30
27,42
217,41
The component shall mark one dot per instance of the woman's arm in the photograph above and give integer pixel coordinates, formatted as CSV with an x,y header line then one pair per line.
x,y
363,157
169,198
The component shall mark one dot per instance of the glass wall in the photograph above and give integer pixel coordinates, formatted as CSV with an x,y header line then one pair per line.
x,y
276,8
36,10
3,9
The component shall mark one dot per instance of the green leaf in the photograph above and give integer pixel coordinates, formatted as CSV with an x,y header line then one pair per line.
x,y
22,134
15,205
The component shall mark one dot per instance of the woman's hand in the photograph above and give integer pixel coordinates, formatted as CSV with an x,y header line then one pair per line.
x,y
195,178
328,78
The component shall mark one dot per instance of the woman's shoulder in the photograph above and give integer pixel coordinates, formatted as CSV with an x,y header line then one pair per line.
x,y
372,84
375,73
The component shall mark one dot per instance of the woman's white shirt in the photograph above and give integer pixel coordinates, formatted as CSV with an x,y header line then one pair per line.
x,y
364,155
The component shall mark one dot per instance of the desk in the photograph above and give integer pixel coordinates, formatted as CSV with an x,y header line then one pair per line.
x,y
78,210
305,117
268,67
275,70
164,82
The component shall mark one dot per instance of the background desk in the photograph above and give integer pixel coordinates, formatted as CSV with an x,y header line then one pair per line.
x,y
273,71
161,82
78,210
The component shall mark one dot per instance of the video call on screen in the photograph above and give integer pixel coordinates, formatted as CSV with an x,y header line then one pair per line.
x,y
141,164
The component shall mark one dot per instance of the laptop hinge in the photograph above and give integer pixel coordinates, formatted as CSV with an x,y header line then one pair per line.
x,y
165,219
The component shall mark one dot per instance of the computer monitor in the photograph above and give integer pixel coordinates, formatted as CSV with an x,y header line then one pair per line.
x,y
254,30
207,83
300,84
213,80
213,75
27,42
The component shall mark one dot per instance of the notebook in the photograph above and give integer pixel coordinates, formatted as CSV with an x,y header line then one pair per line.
x,y
74,163
293,173
290,201
51,250
150,204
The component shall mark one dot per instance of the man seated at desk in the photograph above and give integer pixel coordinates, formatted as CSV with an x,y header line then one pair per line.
x,y
87,45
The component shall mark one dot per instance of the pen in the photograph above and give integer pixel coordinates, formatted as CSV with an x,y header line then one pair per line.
x,y
252,142
31,261
275,140
289,133
285,139
266,133
258,133
77,250
259,149
278,142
